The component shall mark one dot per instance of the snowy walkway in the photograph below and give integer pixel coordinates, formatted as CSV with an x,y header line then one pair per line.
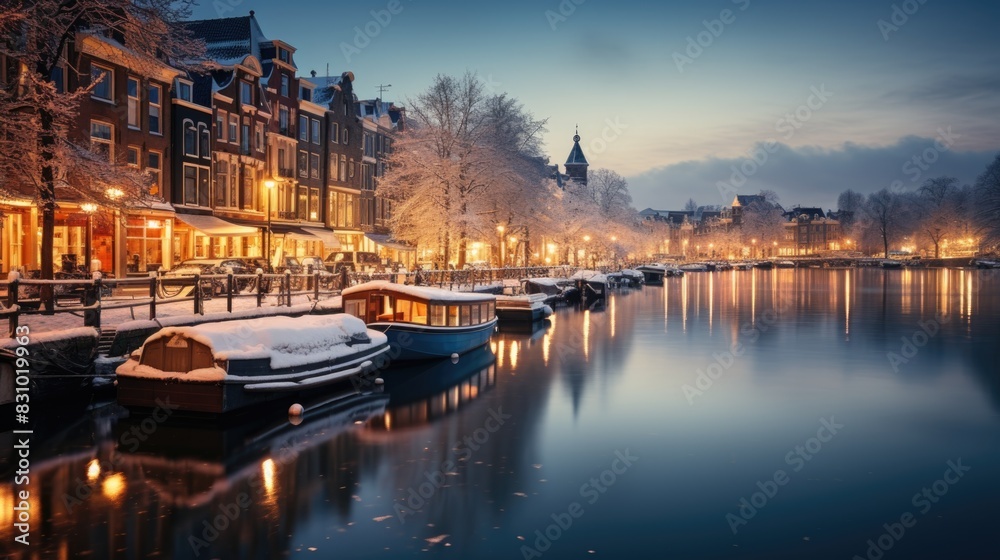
x,y
66,321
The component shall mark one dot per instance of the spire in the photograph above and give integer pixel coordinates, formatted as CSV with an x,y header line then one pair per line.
x,y
576,163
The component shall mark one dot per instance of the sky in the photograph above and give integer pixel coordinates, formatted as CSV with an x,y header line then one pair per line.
x,y
694,99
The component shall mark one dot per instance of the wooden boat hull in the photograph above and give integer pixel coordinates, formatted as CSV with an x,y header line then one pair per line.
x,y
523,314
421,342
243,387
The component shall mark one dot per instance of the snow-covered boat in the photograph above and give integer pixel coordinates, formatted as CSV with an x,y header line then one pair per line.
x,y
558,290
625,277
694,267
891,263
594,283
785,264
524,309
764,265
423,322
226,366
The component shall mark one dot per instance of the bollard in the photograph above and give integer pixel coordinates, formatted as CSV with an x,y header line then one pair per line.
x,y
315,286
91,296
229,292
12,290
260,286
198,310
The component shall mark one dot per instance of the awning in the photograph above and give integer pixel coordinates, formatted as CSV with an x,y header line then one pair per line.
x,y
389,243
329,239
210,225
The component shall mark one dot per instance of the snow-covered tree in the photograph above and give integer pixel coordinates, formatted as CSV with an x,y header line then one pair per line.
x,y
987,198
39,157
468,164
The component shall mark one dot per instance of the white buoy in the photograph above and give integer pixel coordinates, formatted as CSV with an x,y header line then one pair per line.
x,y
379,381
454,358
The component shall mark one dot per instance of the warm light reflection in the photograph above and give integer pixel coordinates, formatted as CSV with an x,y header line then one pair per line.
x,y
113,486
93,470
546,344
684,303
711,300
387,420
586,335
267,473
513,354
847,303
501,346
613,317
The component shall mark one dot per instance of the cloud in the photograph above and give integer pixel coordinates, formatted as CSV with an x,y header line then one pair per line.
x,y
808,176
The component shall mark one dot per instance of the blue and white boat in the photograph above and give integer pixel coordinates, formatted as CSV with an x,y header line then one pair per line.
x,y
423,322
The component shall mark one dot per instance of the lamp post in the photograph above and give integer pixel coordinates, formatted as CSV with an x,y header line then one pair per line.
x,y
269,184
88,208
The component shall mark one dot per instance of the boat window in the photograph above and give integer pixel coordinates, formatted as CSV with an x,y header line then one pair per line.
x,y
437,315
355,307
475,315
452,315
403,310
464,315
491,308
484,311
419,313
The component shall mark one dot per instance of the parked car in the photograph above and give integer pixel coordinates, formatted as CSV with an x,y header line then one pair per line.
x,y
217,287
357,261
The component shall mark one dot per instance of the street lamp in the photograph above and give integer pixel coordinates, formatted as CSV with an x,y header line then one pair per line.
x,y
88,208
269,184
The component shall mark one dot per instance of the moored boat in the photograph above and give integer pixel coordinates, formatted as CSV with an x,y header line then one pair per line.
x,y
785,264
226,366
764,265
890,263
522,309
694,267
423,322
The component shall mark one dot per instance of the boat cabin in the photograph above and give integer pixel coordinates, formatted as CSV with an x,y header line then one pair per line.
x,y
419,306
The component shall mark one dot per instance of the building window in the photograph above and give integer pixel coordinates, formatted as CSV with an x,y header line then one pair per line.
x,y
334,133
350,168
347,136
184,91
100,139
196,183
314,166
190,138
220,125
284,85
234,123
314,204
303,164
343,168
222,183
283,121
282,55
205,147
306,94
332,172
246,93
315,132
133,102
154,109
303,206
154,167
245,138
259,133
248,192
102,79
132,156
303,128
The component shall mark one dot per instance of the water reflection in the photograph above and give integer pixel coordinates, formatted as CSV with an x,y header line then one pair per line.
x,y
462,459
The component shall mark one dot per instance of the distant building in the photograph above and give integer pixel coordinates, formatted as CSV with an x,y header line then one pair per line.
x,y
577,164
809,231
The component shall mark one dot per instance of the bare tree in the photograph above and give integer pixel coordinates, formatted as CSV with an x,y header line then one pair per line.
x,y
38,156
690,205
987,196
939,211
886,210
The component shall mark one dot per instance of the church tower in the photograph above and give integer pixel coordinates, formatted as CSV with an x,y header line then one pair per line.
x,y
576,163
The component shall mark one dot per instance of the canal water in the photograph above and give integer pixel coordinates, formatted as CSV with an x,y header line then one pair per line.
x,y
743,414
